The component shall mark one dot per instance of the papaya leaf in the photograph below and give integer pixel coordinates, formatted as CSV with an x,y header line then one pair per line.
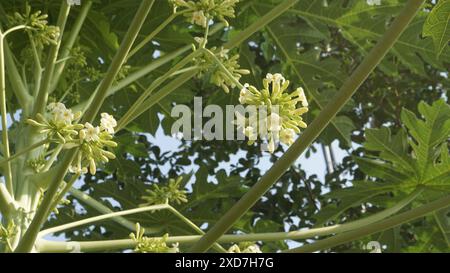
x,y
437,26
362,25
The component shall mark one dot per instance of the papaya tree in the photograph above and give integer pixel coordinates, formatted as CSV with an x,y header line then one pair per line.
x,y
92,91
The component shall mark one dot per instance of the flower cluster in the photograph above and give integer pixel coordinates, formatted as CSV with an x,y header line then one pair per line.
x,y
246,248
151,245
208,67
166,194
58,123
43,33
7,232
283,115
199,12
60,126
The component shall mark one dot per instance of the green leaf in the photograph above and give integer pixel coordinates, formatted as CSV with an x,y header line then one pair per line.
x,y
378,168
362,25
428,133
391,148
360,192
429,163
395,166
437,26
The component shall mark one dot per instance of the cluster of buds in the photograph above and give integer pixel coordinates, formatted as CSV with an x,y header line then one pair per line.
x,y
282,118
60,126
244,248
199,12
151,245
166,194
37,25
59,123
208,67
7,232
93,141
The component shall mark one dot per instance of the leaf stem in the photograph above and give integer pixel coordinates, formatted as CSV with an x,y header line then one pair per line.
x,y
11,30
5,140
42,95
23,151
349,87
101,218
270,236
375,227
6,201
155,98
216,246
52,158
63,192
153,86
65,50
260,23
153,34
16,82
85,198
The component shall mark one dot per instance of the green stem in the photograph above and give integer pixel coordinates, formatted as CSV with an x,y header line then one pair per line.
x,y
118,61
16,82
52,158
5,140
349,87
42,95
63,192
153,34
29,238
21,152
147,69
270,236
84,198
138,74
242,36
260,23
216,246
132,110
389,223
11,30
101,218
6,201
37,66
65,50
155,98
